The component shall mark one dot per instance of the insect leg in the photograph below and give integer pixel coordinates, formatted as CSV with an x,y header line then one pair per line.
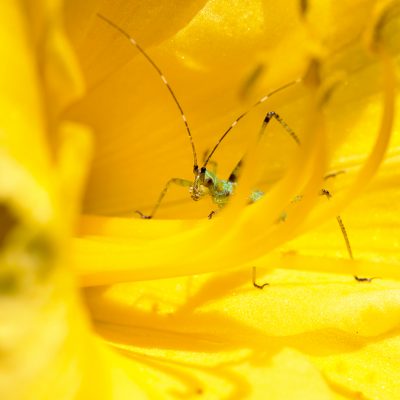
x,y
176,181
303,7
255,284
257,194
333,174
212,213
328,195
272,114
360,279
235,122
325,192
233,177
288,129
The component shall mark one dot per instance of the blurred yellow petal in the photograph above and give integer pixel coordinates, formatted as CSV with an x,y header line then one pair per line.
x,y
46,344
91,37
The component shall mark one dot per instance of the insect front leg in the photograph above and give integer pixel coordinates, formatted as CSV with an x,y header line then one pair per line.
x,y
176,181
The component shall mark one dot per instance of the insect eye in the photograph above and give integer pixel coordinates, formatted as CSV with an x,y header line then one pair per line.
x,y
203,170
208,181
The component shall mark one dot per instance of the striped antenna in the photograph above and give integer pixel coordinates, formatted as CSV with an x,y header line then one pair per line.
x,y
234,123
162,77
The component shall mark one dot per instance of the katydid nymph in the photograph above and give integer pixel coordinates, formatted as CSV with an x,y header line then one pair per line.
x,y
206,182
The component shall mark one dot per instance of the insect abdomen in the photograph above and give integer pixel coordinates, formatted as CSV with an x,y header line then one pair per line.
x,y
255,196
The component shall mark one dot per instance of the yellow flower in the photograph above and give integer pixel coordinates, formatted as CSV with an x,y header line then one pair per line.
x,y
169,309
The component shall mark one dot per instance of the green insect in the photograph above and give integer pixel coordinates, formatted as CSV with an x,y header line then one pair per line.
x,y
206,182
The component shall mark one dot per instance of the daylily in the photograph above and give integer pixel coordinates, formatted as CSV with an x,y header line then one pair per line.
x,y
99,303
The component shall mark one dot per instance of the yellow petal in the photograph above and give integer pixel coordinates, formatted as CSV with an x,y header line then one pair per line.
x,y
309,335
45,338
192,325
91,37
369,370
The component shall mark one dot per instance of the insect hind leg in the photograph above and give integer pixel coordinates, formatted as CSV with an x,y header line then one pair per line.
x,y
288,129
255,284
175,181
233,177
328,195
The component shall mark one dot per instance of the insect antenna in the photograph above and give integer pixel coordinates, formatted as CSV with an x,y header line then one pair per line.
x,y
234,123
163,78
